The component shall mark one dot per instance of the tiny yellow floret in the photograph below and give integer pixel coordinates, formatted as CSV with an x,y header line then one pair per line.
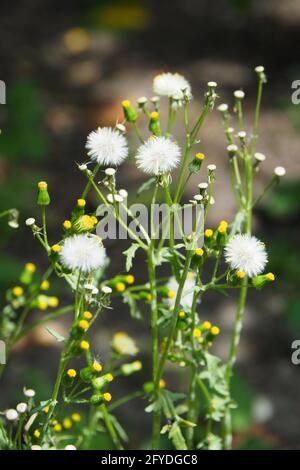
x,y
57,428
162,383
55,248
107,396
87,315
18,291
71,373
199,252
94,219
83,325
109,377
97,366
207,325
67,224
240,274
215,330
208,233
42,305
130,279
76,417
30,267
120,287
171,294
270,277
126,103
46,409
37,433
67,423
199,156
84,345
154,116
81,203
45,285
42,185
197,332
182,314
53,302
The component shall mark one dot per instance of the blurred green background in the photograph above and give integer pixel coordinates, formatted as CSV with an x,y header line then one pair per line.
x,y
67,65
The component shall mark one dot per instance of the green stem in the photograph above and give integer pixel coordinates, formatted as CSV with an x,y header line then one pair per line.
x,y
163,358
110,427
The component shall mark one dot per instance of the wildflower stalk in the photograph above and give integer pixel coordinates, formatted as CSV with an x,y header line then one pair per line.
x,y
192,398
247,209
174,318
154,325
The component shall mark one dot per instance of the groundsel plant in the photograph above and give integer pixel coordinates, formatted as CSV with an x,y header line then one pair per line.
x,y
226,258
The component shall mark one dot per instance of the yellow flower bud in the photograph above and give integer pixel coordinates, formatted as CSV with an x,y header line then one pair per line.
x,y
76,417
97,366
81,203
130,279
45,285
197,332
55,248
83,325
84,345
199,252
71,373
215,330
87,315
30,267
199,156
67,224
107,396
18,291
120,287
208,233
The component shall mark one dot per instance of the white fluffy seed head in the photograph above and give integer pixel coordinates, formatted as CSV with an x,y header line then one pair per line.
x,y
187,293
158,155
11,415
70,447
223,107
21,407
29,392
203,185
198,197
279,171
212,84
239,94
171,85
107,146
83,252
260,157
246,253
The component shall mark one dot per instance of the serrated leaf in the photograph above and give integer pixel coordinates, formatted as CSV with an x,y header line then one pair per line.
x,y
130,254
176,437
132,304
56,335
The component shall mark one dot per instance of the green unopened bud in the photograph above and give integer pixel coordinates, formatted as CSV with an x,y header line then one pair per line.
x,y
43,195
86,374
128,369
129,112
96,399
259,281
154,124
